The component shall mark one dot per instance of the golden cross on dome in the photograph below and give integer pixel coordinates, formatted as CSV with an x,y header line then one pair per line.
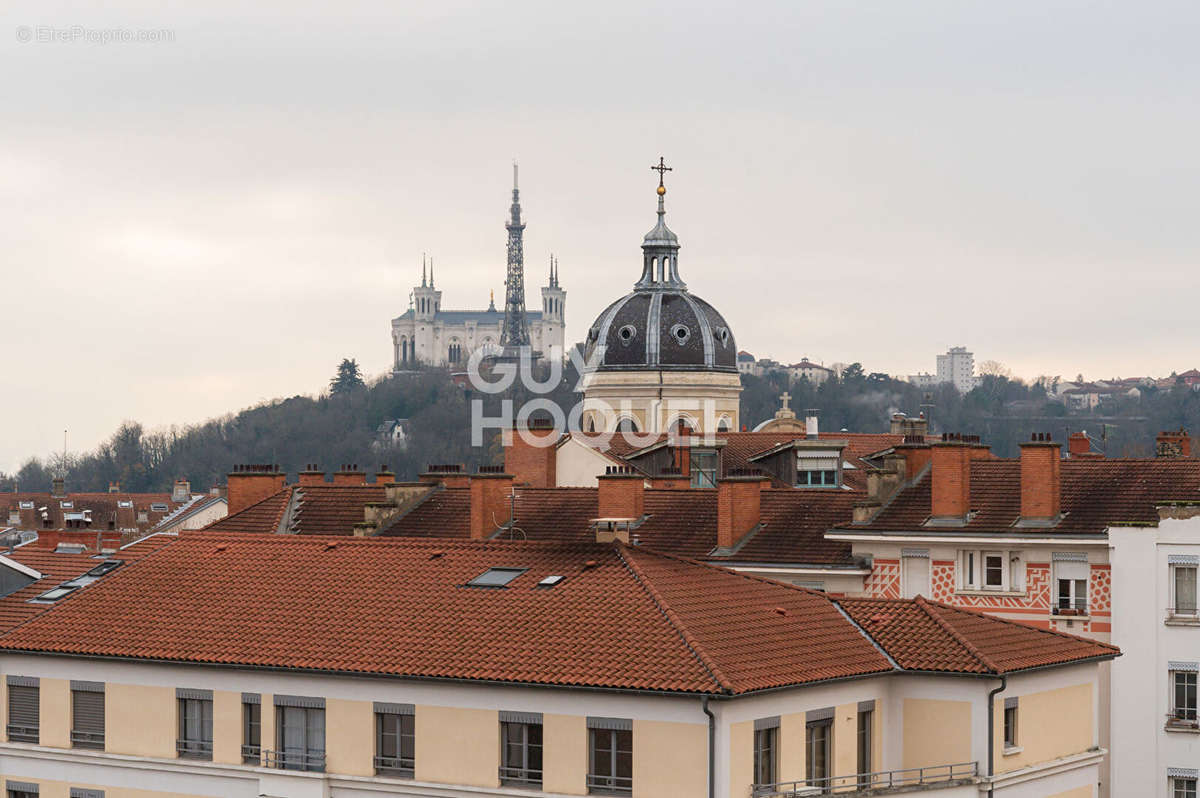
x,y
661,168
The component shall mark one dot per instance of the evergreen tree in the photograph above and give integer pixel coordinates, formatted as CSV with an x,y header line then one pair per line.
x,y
348,380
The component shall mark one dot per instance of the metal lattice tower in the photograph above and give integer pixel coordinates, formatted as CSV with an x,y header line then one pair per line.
x,y
516,325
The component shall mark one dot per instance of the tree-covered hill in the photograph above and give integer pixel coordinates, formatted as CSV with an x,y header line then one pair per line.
x,y
340,426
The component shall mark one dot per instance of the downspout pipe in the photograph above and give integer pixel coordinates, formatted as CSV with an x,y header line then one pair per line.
x,y
991,735
712,747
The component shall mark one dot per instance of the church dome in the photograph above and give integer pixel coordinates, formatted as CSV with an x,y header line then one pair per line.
x,y
660,324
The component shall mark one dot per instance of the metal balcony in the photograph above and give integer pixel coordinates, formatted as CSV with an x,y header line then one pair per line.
x,y
879,781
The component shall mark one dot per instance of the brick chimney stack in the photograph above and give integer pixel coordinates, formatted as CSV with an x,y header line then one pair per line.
x,y
739,506
312,475
384,475
951,477
1173,444
1041,480
451,475
252,483
1079,445
491,502
531,456
621,493
350,474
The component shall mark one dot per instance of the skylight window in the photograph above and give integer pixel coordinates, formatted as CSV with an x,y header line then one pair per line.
x,y
26,505
105,567
67,505
496,577
158,507
54,594
124,503
551,581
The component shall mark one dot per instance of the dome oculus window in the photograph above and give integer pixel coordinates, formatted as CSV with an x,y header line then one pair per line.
x,y
680,333
627,333
723,335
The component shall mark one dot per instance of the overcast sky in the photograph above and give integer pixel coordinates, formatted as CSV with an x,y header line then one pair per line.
x,y
196,225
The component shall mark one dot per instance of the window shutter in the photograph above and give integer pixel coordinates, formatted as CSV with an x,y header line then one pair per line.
x,y
23,707
89,712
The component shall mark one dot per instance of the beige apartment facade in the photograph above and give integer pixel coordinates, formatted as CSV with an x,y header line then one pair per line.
x,y
889,725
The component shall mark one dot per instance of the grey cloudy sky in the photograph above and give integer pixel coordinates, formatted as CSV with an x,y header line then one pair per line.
x,y
196,225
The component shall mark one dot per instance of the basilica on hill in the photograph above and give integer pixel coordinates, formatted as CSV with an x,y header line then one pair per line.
x,y
426,334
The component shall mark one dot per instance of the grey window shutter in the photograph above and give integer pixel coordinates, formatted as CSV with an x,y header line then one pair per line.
x,y
23,707
89,712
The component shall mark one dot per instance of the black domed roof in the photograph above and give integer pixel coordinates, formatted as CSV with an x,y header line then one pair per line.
x,y
657,329
661,325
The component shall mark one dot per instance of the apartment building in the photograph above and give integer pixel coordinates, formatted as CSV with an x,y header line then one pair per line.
x,y
297,666
1031,540
1154,716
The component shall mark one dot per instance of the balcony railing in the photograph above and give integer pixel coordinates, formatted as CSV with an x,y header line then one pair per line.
x,y
295,760
194,749
395,766
879,780
22,734
609,785
521,777
1183,719
252,755
82,739
1068,607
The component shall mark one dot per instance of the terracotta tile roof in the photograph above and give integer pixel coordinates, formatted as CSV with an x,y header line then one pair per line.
x,y
332,509
1096,492
623,617
929,636
262,517
681,522
56,568
305,510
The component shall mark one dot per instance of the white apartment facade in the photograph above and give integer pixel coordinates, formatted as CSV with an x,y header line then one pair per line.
x,y
1155,727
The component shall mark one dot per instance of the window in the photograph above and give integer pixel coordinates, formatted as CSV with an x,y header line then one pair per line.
x,y
195,740
1183,579
993,571
990,570
251,728
24,708
866,728
521,749
1183,787
395,740
703,468
610,756
496,577
1183,695
818,469
766,752
21,789
87,715
818,739
299,733
1010,722
817,479
1071,572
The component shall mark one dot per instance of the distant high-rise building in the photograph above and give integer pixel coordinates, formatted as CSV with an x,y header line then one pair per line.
x,y
957,367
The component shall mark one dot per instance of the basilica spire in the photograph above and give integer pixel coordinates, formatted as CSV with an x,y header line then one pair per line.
x,y
660,247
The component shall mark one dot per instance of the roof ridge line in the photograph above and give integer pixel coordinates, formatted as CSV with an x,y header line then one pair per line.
x,y
693,645
1019,624
437,488
920,601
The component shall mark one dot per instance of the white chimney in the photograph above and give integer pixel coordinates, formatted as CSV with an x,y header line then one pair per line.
x,y
810,427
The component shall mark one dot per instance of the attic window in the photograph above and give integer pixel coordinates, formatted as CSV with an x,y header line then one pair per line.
x,y
496,577
125,504
67,505
108,566
551,581
54,594
158,507
26,505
